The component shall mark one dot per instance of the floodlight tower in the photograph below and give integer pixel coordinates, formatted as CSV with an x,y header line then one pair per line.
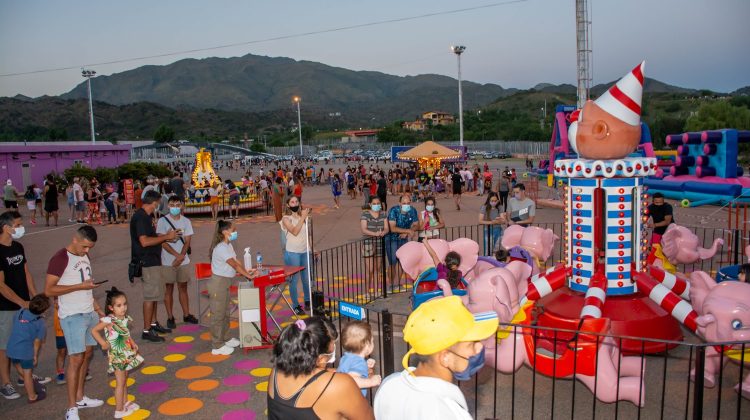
x,y
583,51
88,74
458,50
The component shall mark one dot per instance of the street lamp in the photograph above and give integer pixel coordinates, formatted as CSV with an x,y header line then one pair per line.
x,y
299,125
458,50
88,74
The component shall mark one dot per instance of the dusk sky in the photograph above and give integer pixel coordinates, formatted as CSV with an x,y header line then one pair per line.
x,y
689,43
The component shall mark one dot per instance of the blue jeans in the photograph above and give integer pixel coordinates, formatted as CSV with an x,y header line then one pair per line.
x,y
492,236
297,259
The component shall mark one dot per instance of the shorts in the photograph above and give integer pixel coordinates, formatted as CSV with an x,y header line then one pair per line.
x,y
60,343
10,204
392,244
214,200
234,200
25,364
31,205
153,284
6,324
77,330
81,206
404,182
412,182
172,275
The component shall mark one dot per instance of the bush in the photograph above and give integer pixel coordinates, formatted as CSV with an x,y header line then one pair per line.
x,y
106,175
140,170
79,171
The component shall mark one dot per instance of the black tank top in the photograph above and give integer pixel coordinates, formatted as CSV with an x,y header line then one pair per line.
x,y
282,408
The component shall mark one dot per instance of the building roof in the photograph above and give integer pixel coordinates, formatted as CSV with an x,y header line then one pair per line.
x,y
362,133
59,146
429,149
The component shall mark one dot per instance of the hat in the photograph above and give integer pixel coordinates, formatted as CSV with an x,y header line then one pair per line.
x,y
9,182
440,323
623,100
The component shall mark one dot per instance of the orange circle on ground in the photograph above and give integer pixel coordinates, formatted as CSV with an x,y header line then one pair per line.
x,y
207,357
206,336
233,324
203,385
194,372
180,406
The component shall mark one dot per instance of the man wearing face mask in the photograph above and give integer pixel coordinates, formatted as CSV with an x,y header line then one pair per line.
x,y
445,344
521,209
16,289
403,222
175,260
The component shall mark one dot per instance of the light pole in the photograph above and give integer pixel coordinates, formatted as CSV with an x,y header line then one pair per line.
x,y
299,125
458,49
88,74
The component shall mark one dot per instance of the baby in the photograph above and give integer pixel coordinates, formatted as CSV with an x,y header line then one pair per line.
x,y
356,339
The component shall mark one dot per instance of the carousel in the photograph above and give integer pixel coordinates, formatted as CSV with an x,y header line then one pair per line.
x,y
430,155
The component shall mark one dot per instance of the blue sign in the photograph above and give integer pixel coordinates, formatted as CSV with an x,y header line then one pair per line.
x,y
351,311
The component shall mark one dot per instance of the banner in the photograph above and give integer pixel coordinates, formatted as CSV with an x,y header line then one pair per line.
x,y
129,191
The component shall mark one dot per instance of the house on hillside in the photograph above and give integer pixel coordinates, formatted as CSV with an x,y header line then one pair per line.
x,y
430,118
360,136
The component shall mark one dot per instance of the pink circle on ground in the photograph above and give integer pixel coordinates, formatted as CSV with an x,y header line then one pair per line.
x,y
180,347
153,387
189,328
247,364
236,380
239,415
233,397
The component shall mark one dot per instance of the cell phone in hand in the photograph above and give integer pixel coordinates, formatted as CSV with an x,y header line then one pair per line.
x,y
100,281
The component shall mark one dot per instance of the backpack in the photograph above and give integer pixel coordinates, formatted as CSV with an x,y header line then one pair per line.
x,y
29,195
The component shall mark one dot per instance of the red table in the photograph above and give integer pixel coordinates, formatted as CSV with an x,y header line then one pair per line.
x,y
275,281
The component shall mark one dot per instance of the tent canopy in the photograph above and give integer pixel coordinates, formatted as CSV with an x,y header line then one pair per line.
x,y
429,150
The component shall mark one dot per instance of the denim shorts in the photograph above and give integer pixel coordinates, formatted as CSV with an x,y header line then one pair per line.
x,y
77,331
392,244
25,364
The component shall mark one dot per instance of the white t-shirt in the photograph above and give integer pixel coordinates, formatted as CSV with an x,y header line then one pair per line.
x,y
297,243
403,396
146,189
219,257
162,226
213,192
72,269
77,192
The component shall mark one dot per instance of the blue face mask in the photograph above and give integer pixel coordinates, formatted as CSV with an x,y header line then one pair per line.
x,y
475,363
429,208
233,236
405,207
375,207
174,211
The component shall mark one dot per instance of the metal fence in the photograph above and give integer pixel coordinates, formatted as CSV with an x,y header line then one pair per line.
x,y
519,147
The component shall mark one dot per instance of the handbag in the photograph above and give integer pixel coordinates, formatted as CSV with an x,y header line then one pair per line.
x,y
190,249
135,269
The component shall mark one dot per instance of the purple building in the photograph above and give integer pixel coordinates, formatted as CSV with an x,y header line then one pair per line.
x,y
25,163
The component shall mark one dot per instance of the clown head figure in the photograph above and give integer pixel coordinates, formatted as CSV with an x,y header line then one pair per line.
x,y
610,127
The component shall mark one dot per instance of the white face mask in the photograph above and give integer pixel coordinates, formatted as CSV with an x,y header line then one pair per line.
x,y
18,232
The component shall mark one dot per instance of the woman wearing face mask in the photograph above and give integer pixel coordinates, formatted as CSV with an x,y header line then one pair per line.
x,y
300,386
492,218
403,222
430,220
224,266
374,226
293,227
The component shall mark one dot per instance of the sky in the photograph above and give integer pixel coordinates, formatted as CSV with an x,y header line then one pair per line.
x,y
689,43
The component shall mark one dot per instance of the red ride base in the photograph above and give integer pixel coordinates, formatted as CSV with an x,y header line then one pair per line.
x,y
632,315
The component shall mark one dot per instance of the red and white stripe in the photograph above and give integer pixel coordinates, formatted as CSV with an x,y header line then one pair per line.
x,y
677,283
596,295
623,100
669,301
545,283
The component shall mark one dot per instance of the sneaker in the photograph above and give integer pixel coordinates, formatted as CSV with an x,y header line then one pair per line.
x,y
9,392
307,305
171,323
42,381
298,310
233,342
88,376
190,319
60,379
152,336
40,395
221,351
72,414
87,402
160,329
128,410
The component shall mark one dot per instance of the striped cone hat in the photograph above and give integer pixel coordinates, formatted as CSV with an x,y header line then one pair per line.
x,y
623,100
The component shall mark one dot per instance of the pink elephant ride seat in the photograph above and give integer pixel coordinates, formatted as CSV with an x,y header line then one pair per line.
x,y
425,288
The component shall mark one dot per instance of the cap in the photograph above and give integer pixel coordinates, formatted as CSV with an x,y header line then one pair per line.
x,y
440,323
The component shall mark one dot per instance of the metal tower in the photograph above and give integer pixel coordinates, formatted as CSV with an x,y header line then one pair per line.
x,y
583,50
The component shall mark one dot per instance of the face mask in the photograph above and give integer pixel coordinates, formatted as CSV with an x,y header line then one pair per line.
x,y
375,207
475,363
405,207
429,208
18,232
233,236
517,196
493,203
294,209
333,356
174,211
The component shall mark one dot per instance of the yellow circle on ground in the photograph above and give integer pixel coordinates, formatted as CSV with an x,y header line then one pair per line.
x,y
194,372
206,336
174,357
184,339
203,385
130,381
262,387
180,406
139,414
111,400
233,324
153,370
260,372
207,357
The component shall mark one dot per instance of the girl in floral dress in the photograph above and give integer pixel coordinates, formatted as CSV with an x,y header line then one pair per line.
x,y
123,352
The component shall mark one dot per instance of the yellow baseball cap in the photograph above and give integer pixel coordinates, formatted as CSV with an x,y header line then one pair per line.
x,y
440,323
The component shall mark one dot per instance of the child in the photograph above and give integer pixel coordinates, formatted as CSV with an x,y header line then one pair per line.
x,y
123,352
502,255
356,339
744,274
449,276
24,343
62,348
122,209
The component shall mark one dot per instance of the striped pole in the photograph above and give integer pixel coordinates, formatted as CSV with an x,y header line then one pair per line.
x,y
677,283
669,301
596,295
545,283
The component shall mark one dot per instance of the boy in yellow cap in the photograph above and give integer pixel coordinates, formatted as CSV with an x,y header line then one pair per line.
x,y
445,342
